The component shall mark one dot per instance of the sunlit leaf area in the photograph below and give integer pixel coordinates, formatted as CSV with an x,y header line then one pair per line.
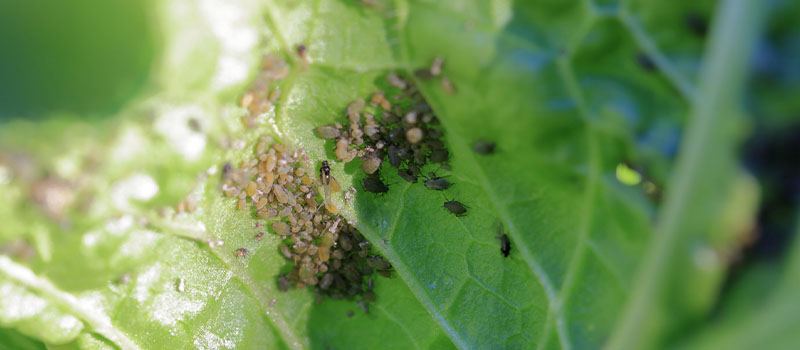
x,y
408,174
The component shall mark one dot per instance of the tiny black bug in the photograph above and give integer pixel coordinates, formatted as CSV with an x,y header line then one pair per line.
x,y
645,62
456,208
437,183
374,185
407,175
697,24
505,243
483,147
440,156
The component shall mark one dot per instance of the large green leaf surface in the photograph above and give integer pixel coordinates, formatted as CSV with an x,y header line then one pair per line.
x,y
556,84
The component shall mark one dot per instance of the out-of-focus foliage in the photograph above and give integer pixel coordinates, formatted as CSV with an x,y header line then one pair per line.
x,y
581,98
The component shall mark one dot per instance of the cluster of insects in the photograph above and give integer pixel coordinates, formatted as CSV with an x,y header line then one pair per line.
x,y
260,97
326,252
401,130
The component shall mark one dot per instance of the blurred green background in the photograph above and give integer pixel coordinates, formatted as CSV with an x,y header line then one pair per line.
x,y
85,57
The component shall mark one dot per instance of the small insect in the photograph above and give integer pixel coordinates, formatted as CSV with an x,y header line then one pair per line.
x,y
259,236
301,51
329,184
447,86
645,62
226,170
483,147
437,183
241,252
283,283
194,125
373,184
379,263
697,24
456,208
180,285
436,66
439,156
407,175
505,243
423,73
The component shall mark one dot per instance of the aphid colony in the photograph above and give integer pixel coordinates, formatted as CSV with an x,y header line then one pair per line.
x,y
405,133
325,250
260,98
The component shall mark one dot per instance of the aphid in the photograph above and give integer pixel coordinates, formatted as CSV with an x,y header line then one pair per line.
x,y
437,183
350,314
180,284
645,62
370,165
414,135
241,252
423,73
259,236
194,125
697,24
436,66
226,170
301,51
505,243
447,86
439,156
280,228
394,156
379,263
373,184
328,132
407,175
396,81
283,283
483,147
456,208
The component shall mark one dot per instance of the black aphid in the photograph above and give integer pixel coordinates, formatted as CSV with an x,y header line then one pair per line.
x,y
437,184
378,263
407,175
423,73
697,24
456,208
439,156
645,62
505,243
226,170
483,147
394,156
283,283
374,185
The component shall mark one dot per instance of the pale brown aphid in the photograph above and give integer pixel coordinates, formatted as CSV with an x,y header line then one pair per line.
x,y
241,252
447,86
436,66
